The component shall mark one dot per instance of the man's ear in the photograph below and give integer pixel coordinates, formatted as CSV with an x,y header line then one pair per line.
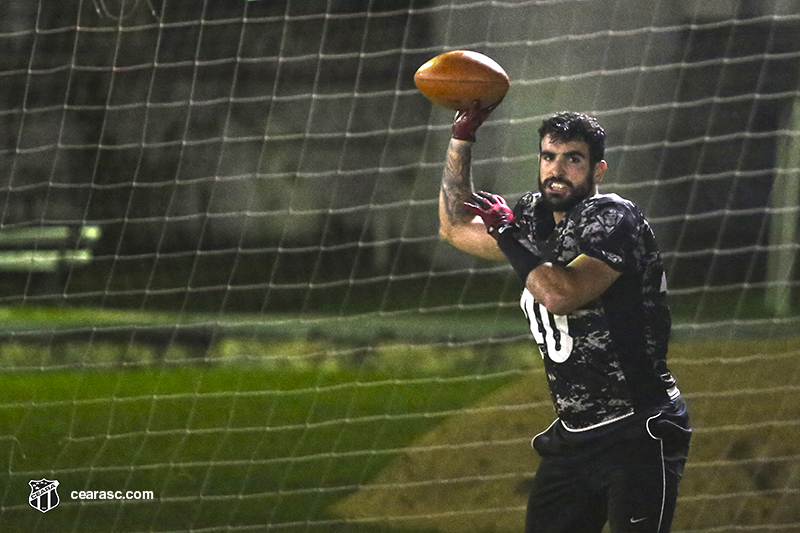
x,y
599,170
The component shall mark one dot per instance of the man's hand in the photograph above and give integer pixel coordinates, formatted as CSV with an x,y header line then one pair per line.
x,y
468,121
493,210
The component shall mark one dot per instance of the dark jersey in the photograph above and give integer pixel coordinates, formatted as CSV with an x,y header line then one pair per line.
x,y
607,360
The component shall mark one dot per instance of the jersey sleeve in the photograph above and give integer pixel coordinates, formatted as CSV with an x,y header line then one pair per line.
x,y
534,221
609,231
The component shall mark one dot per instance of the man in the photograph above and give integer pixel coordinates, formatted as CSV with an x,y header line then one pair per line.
x,y
594,290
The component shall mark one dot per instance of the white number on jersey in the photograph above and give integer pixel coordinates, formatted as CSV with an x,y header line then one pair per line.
x,y
550,331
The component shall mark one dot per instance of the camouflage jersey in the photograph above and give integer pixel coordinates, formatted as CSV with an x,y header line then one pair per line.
x,y
606,360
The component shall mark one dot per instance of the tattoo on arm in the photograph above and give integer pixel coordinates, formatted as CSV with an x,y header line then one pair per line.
x,y
457,182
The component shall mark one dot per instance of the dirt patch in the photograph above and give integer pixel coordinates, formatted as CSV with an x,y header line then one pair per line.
x,y
468,474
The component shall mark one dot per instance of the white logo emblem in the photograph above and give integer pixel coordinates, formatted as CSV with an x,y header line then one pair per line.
x,y
609,220
43,494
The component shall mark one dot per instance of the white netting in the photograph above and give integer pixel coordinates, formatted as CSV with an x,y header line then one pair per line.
x,y
222,279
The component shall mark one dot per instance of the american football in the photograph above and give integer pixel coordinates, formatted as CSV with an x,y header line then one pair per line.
x,y
458,78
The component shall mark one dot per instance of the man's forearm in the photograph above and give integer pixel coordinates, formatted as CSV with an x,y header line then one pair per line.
x,y
457,185
563,289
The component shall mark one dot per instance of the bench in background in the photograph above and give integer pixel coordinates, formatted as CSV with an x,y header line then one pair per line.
x,y
47,248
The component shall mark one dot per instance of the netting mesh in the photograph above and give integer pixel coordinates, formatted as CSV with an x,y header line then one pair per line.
x,y
259,181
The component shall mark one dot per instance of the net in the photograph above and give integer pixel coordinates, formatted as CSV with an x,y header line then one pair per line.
x,y
226,304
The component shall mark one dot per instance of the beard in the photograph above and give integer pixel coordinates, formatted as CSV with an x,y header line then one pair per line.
x,y
570,195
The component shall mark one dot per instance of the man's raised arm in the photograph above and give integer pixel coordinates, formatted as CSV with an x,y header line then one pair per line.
x,y
457,224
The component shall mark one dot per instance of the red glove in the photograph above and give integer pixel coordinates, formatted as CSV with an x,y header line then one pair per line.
x,y
468,121
493,210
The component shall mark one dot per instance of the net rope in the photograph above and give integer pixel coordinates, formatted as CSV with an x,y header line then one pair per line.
x,y
271,335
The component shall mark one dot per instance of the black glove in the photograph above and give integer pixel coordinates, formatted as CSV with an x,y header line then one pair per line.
x,y
522,258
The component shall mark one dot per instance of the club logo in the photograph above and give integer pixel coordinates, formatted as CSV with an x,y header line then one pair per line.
x,y
609,220
43,494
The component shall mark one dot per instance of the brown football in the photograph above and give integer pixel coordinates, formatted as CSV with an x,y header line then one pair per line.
x,y
456,79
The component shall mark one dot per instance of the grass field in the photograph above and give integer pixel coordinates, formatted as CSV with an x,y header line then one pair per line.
x,y
396,436
235,446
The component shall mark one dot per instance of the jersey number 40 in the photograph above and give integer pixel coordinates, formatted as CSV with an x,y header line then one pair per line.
x,y
550,331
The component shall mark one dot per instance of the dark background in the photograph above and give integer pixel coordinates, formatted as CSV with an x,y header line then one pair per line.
x,y
269,156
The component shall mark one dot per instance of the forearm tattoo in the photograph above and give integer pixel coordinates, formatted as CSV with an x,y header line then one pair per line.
x,y
457,182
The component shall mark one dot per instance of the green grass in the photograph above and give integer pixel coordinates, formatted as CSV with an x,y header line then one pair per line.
x,y
236,446
244,445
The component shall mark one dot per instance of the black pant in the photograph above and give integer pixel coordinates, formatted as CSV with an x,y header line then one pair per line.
x,y
627,477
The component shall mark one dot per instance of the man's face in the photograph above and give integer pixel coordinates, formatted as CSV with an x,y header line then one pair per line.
x,y
565,175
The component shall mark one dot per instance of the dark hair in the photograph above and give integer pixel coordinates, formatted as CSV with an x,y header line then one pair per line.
x,y
567,127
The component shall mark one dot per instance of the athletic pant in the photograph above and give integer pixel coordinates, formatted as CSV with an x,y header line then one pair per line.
x,y
628,478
